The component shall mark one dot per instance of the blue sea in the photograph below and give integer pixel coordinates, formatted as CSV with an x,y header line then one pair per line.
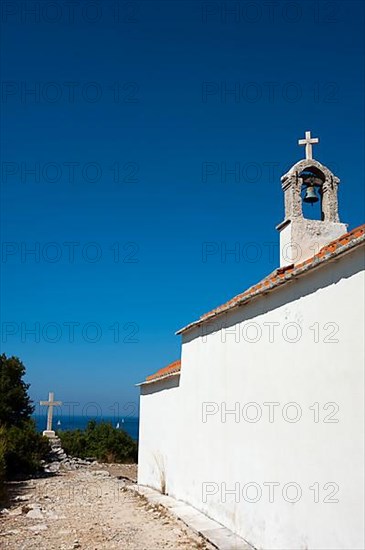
x,y
128,424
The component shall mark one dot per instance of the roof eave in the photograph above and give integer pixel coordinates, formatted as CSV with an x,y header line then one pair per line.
x,y
317,262
154,380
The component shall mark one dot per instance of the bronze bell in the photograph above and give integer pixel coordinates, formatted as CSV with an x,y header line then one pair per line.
x,y
310,195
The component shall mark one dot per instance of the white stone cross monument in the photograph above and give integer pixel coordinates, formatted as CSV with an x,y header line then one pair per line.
x,y
50,404
308,142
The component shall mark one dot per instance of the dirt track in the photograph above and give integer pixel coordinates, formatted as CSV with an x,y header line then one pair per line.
x,y
92,510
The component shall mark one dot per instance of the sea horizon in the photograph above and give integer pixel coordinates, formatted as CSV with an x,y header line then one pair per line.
x,y
79,422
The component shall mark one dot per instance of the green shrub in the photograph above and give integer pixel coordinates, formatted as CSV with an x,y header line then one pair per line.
x,y
74,442
24,449
101,441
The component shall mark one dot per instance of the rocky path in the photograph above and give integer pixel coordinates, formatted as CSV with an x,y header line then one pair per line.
x,y
89,508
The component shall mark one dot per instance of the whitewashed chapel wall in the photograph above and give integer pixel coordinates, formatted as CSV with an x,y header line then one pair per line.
x,y
319,459
158,441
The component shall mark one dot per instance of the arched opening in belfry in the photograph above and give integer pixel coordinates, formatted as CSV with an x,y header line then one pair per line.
x,y
312,193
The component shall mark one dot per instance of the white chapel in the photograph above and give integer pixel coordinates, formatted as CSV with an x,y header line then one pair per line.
x,y
260,424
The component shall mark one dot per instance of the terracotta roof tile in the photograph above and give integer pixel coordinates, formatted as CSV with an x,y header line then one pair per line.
x,y
171,369
284,274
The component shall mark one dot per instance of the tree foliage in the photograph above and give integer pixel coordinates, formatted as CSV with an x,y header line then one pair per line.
x,y
21,447
15,404
101,441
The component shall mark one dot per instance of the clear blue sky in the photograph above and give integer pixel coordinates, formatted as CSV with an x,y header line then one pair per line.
x,y
142,90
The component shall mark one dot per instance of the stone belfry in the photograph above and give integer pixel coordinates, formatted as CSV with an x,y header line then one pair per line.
x,y
308,181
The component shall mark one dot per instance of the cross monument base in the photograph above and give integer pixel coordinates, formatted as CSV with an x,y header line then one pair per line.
x,y
49,433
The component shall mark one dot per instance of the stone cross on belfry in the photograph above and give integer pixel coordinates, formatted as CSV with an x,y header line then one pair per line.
x,y
50,404
308,142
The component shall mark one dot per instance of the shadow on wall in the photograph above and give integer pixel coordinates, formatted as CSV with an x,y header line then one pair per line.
x,y
161,385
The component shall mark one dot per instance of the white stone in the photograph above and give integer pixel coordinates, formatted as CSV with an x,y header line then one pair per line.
x,y
37,528
35,514
52,515
16,511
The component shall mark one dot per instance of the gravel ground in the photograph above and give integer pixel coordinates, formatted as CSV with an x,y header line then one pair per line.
x,y
90,508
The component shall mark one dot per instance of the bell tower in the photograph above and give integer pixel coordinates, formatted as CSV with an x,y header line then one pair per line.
x,y
308,182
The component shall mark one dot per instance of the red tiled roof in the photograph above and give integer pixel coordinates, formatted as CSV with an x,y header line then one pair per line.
x,y
284,274
170,370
